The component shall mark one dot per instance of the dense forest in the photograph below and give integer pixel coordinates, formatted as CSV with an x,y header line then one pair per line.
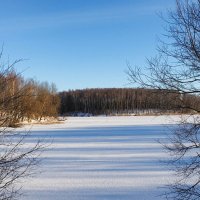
x,y
22,99
27,100
124,101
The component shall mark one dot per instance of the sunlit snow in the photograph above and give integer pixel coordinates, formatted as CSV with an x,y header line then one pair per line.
x,y
100,158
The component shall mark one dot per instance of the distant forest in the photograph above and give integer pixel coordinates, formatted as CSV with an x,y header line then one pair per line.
x,y
124,101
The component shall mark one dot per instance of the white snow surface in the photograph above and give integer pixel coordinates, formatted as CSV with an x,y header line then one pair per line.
x,y
93,158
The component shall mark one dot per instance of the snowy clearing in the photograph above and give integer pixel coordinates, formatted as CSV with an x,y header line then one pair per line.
x,y
101,158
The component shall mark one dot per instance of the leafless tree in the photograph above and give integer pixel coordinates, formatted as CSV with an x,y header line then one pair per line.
x,y
176,68
17,160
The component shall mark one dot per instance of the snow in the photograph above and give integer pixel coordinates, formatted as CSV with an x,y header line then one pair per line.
x,y
100,158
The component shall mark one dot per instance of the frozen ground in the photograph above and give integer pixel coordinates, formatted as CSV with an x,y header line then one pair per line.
x,y
101,158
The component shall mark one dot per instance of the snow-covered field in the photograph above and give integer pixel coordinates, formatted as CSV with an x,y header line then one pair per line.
x,y
100,158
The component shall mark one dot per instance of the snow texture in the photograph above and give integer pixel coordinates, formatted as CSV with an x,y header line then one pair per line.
x,y
92,158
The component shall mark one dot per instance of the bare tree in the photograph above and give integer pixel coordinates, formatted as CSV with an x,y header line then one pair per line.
x,y
176,69
16,159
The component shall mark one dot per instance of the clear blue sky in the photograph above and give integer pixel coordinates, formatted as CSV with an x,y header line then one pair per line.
x,y
80,43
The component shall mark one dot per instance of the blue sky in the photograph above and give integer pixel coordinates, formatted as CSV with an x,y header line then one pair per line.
x,y
80,43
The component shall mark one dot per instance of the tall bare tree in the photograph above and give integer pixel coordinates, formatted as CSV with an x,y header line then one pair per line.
x,y
16,160
176,68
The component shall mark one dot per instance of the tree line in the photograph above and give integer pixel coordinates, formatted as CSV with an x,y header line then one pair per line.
x,y
22,99
123,100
